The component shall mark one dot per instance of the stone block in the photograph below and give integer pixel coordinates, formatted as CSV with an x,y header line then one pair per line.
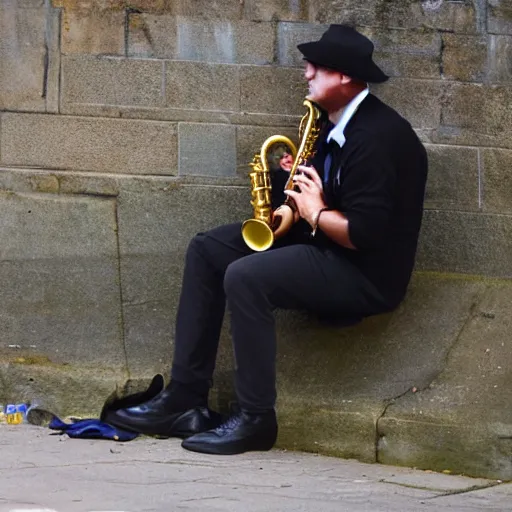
x,y
22,57
476,115
500,59
460,17
108,145
289,35
406,53
241,42
96,33
453,178
464,57
284,91
496,180
154,232
249,140
419,101
499,17
151,35
462,419
202,86
110,81
468,243
348,431
272,10
208,10
207,149
60,293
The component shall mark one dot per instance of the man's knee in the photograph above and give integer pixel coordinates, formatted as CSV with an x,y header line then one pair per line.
x,y
239,275
196,243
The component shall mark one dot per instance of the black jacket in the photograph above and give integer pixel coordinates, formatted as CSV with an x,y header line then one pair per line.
x,y
377,179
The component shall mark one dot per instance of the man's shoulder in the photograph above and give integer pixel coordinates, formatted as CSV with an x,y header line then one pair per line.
x,y
376,119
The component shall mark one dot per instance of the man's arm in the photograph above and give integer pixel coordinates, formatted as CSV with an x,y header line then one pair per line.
x,y
365,201
334,224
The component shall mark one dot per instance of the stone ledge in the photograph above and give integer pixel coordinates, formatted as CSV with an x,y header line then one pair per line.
x,y
401,388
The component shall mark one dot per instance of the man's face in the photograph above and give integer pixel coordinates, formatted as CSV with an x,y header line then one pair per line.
x,y
325,87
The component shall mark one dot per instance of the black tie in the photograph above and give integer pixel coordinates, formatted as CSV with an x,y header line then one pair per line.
x,y
331,155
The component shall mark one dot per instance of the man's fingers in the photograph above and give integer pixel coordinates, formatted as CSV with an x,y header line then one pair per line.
x,y
304,182
292,193
311,173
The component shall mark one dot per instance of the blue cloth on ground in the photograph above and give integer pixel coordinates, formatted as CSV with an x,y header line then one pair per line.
x,y
92,428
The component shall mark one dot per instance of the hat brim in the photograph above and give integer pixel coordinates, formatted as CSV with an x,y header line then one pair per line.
x,y
336,57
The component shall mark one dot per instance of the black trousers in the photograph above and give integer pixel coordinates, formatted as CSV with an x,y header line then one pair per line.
x,y
220,269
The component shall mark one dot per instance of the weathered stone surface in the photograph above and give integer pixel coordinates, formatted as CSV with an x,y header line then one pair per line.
x,y
242,42
93,33
22,56
347,431
471,243
188,38
364,367
406,53
66,389
461,419
210,9
463,17
151,35
202,86
60,294
453,178
497,180
108,145
207,149
110,81
419,101
464,57
284,91
52,77
151,272
500,16
271,10
476,115
500,58
289,35
249,140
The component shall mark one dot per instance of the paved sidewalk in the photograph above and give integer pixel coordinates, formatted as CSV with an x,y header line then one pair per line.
x,y
42,471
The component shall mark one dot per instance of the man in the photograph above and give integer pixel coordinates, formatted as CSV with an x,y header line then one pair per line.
x,y
350,255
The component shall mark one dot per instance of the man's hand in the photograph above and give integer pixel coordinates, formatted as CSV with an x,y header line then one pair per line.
x,y
310,199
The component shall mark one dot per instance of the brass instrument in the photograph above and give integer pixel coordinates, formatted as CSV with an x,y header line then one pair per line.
x,y
260,232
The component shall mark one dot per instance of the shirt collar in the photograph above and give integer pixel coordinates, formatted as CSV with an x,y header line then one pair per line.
x,y
337,132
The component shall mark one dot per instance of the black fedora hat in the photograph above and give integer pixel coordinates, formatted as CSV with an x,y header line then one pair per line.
x,y
344,49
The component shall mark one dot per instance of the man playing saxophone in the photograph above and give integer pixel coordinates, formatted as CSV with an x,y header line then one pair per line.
x,y
350,255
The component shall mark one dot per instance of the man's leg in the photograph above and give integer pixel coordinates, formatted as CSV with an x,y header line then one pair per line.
x,y
181,408
298,277
202,303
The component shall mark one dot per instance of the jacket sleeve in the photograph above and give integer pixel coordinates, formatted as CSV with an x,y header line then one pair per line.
x,y
367,192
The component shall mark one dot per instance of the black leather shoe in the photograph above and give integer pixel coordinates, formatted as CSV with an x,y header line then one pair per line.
x,y
242,432
155,423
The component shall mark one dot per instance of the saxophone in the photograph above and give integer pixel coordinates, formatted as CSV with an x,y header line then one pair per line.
x,y
260,232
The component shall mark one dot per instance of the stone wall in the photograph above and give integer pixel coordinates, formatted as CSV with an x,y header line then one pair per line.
x,y
126,126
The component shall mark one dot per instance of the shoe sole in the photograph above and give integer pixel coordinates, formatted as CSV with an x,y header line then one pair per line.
x,y
235,449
